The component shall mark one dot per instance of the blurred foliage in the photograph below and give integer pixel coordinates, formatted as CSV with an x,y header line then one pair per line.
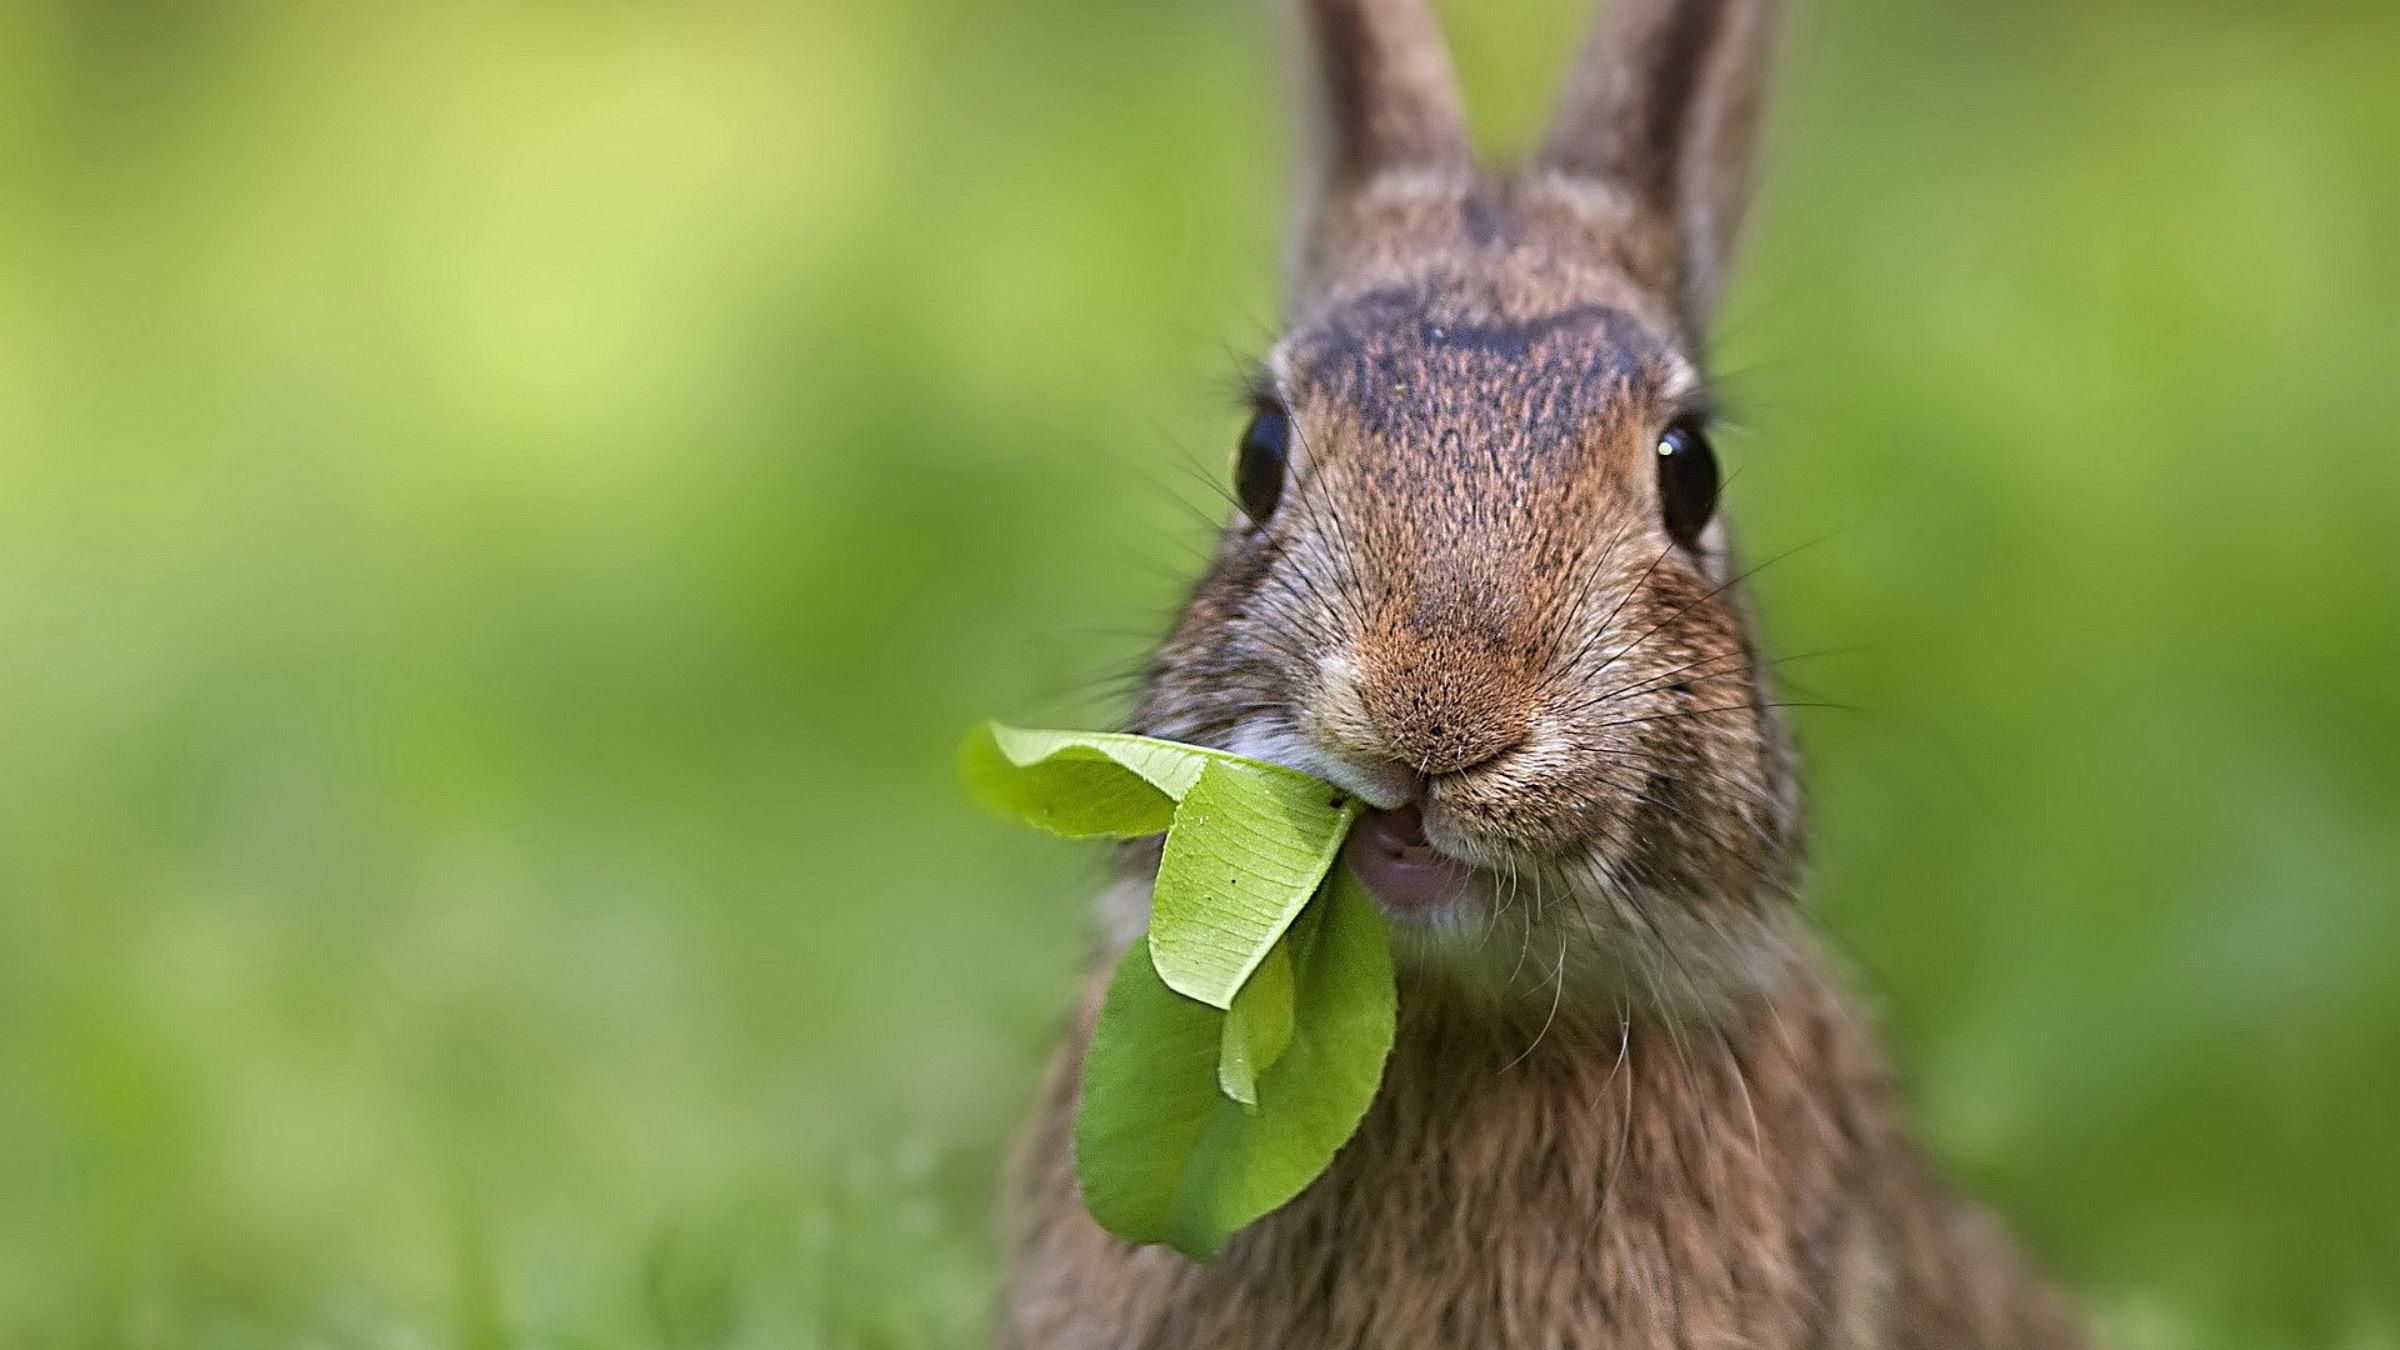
x,y
504,509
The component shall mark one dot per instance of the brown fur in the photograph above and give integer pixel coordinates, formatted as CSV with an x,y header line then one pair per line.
x,y
1633,1187
1627,1109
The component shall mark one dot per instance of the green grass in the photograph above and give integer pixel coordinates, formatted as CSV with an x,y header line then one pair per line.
x,y
505,510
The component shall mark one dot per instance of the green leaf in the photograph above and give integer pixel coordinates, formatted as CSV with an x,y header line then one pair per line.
x,y
1250,844
1258,1027
1164,1156
1082,785
1197,1121
1095,784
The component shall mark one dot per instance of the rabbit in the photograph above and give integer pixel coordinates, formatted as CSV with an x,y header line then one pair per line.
x,y
1478,579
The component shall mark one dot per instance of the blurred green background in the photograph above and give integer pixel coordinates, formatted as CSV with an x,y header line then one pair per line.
x,y
504,509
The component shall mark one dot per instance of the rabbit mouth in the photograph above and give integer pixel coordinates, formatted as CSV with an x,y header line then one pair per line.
x,y
1402,868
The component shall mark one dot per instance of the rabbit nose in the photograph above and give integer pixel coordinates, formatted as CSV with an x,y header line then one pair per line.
x,y
1394,716
1442,683
1438,726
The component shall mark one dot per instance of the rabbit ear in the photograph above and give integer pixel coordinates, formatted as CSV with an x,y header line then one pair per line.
x,y
1663,109
1381,99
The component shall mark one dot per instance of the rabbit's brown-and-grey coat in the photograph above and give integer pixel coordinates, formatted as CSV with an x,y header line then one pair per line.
x,y
1627,1107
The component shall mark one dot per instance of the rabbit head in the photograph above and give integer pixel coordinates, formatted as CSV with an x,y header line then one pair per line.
x,y
1478,577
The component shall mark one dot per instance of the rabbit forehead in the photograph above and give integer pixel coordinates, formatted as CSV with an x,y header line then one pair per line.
x,y
1438,366
1413,358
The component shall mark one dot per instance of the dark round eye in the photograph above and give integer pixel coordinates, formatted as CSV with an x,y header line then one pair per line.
x,y
1687,481
1258,468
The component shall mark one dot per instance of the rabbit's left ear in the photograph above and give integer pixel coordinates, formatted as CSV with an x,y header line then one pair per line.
x,y
1663,110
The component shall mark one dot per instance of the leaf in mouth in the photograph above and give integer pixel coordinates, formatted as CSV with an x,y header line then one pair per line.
x,y
1163,1155
1242,1040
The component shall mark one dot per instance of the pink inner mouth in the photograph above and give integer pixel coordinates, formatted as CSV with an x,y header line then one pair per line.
x,y
1389,852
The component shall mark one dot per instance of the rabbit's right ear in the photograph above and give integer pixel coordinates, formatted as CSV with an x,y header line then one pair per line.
x,y
1382,102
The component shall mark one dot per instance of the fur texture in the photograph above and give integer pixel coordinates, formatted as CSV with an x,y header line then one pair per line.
x,y
1627,1108
1627,1186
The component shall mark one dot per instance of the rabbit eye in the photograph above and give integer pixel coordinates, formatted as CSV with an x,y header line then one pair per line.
x,y
1258,467
1687,482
